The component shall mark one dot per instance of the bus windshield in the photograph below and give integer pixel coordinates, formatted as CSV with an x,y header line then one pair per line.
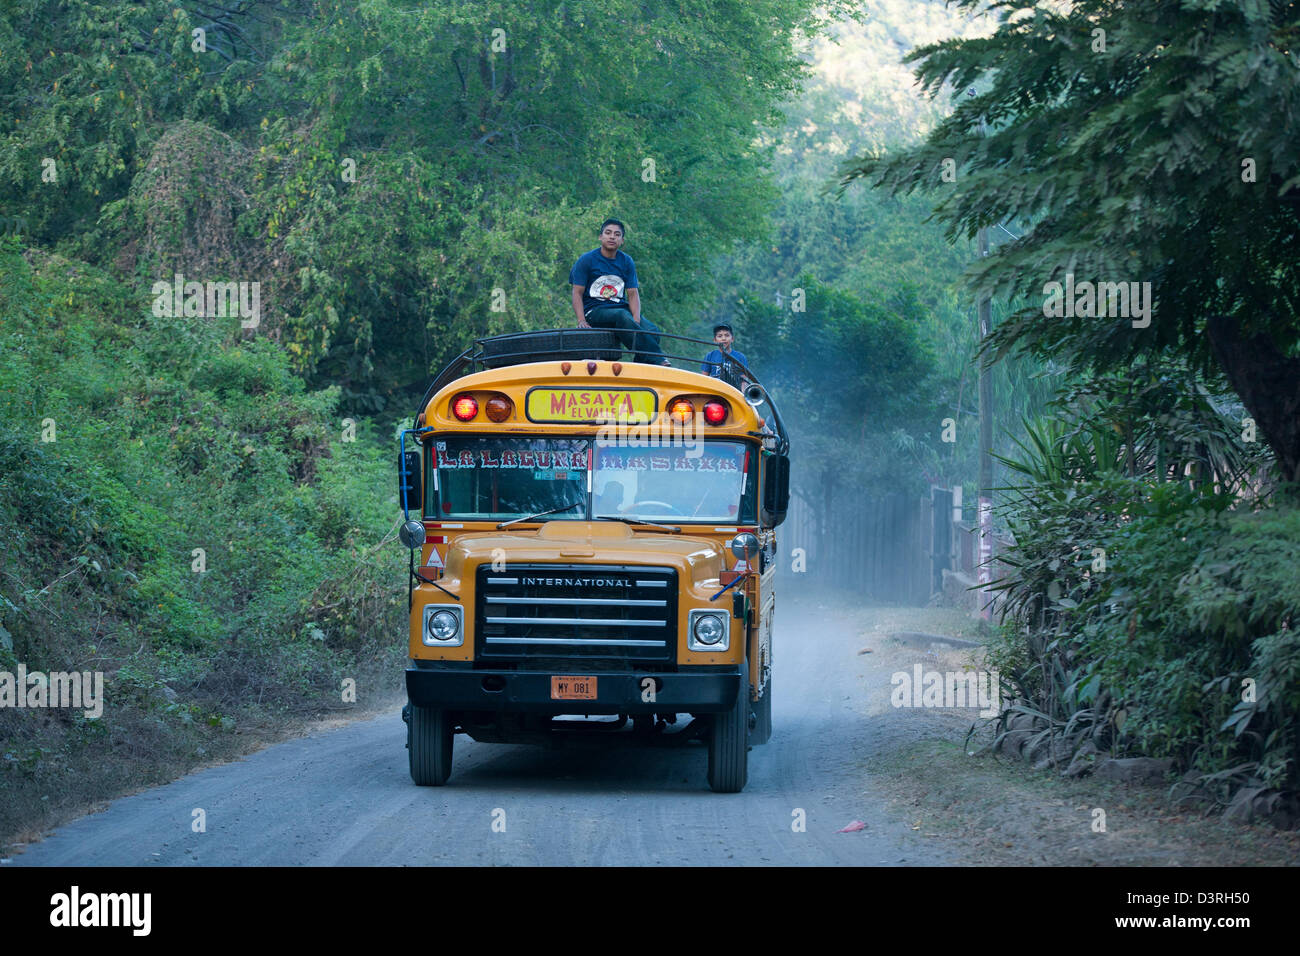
x,y
496,478
712,481
491,477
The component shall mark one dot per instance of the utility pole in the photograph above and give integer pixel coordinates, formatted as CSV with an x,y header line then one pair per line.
x,y
985,319
985,518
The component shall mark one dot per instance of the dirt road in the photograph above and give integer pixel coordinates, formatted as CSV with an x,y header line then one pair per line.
x,y
344,796
840,753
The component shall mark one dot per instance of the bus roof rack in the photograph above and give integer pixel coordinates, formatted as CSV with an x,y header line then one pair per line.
x,y
518,348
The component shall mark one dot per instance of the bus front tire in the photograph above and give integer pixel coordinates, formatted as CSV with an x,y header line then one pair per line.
x,y
729,743
432,736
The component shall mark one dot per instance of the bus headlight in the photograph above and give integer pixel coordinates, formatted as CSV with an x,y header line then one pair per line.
x,y
443,626
708,631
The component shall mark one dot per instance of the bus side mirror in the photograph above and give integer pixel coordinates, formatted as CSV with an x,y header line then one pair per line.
x,y
776,489
408,484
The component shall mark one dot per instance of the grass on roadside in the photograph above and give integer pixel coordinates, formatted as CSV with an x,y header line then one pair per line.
x,y
1001,812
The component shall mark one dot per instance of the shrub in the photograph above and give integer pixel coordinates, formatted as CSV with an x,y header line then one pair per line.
x,y
1150,651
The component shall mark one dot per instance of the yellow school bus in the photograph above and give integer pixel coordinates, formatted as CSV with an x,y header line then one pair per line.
x,y
593,544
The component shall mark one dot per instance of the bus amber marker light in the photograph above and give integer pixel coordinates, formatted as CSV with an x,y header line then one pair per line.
x,y
498,408
715,413
681,411
464,407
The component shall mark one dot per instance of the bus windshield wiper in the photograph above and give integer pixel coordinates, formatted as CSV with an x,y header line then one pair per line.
x,y
653,524
540,514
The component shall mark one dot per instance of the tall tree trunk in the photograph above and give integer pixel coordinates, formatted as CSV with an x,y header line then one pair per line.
x,y
1269,385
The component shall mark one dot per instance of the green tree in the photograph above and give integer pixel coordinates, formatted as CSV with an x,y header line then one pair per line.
x,y
399,177
1142,142
854,380
87,87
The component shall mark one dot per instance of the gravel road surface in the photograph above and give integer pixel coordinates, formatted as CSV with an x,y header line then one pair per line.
x,y
344,797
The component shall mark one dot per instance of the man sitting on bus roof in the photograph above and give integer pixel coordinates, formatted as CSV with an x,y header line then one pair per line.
x,y
606,296
713,362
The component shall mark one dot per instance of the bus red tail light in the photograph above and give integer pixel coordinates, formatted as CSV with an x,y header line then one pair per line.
x,y
464,406
498,408
681,411
715,413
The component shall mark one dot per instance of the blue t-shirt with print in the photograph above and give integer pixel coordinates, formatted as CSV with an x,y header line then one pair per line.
x,y
713,362
604,281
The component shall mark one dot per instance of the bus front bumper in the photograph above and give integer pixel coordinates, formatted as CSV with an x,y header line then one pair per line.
x,y
446,688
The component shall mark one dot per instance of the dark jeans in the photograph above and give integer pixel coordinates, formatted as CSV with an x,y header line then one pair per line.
x,y
642,339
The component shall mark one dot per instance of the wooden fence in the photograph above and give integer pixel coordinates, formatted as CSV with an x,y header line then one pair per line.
x,y
878,548
890,549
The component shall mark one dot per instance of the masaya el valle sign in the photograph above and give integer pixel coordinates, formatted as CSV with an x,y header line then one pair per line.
x,y
590,404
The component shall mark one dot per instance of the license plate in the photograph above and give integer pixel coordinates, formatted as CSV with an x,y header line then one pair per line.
x,y
573,688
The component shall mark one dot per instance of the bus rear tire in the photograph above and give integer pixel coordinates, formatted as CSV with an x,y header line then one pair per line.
x,y
432,736
729,742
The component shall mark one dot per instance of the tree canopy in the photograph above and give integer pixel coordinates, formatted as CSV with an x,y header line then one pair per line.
x,y
400,177
1137,142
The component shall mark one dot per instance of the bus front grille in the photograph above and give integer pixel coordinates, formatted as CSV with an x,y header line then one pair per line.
x,y
583,611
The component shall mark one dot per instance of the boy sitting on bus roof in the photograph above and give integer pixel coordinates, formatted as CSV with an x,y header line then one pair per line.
x,y
606,296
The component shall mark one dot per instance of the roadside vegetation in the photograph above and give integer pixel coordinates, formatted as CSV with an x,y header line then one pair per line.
x,y
199,527
1152,601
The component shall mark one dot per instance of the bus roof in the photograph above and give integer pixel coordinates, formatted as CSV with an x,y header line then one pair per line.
x,y
520,362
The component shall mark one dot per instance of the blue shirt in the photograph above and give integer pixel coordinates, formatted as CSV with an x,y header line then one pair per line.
x,y
713,363
604,281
